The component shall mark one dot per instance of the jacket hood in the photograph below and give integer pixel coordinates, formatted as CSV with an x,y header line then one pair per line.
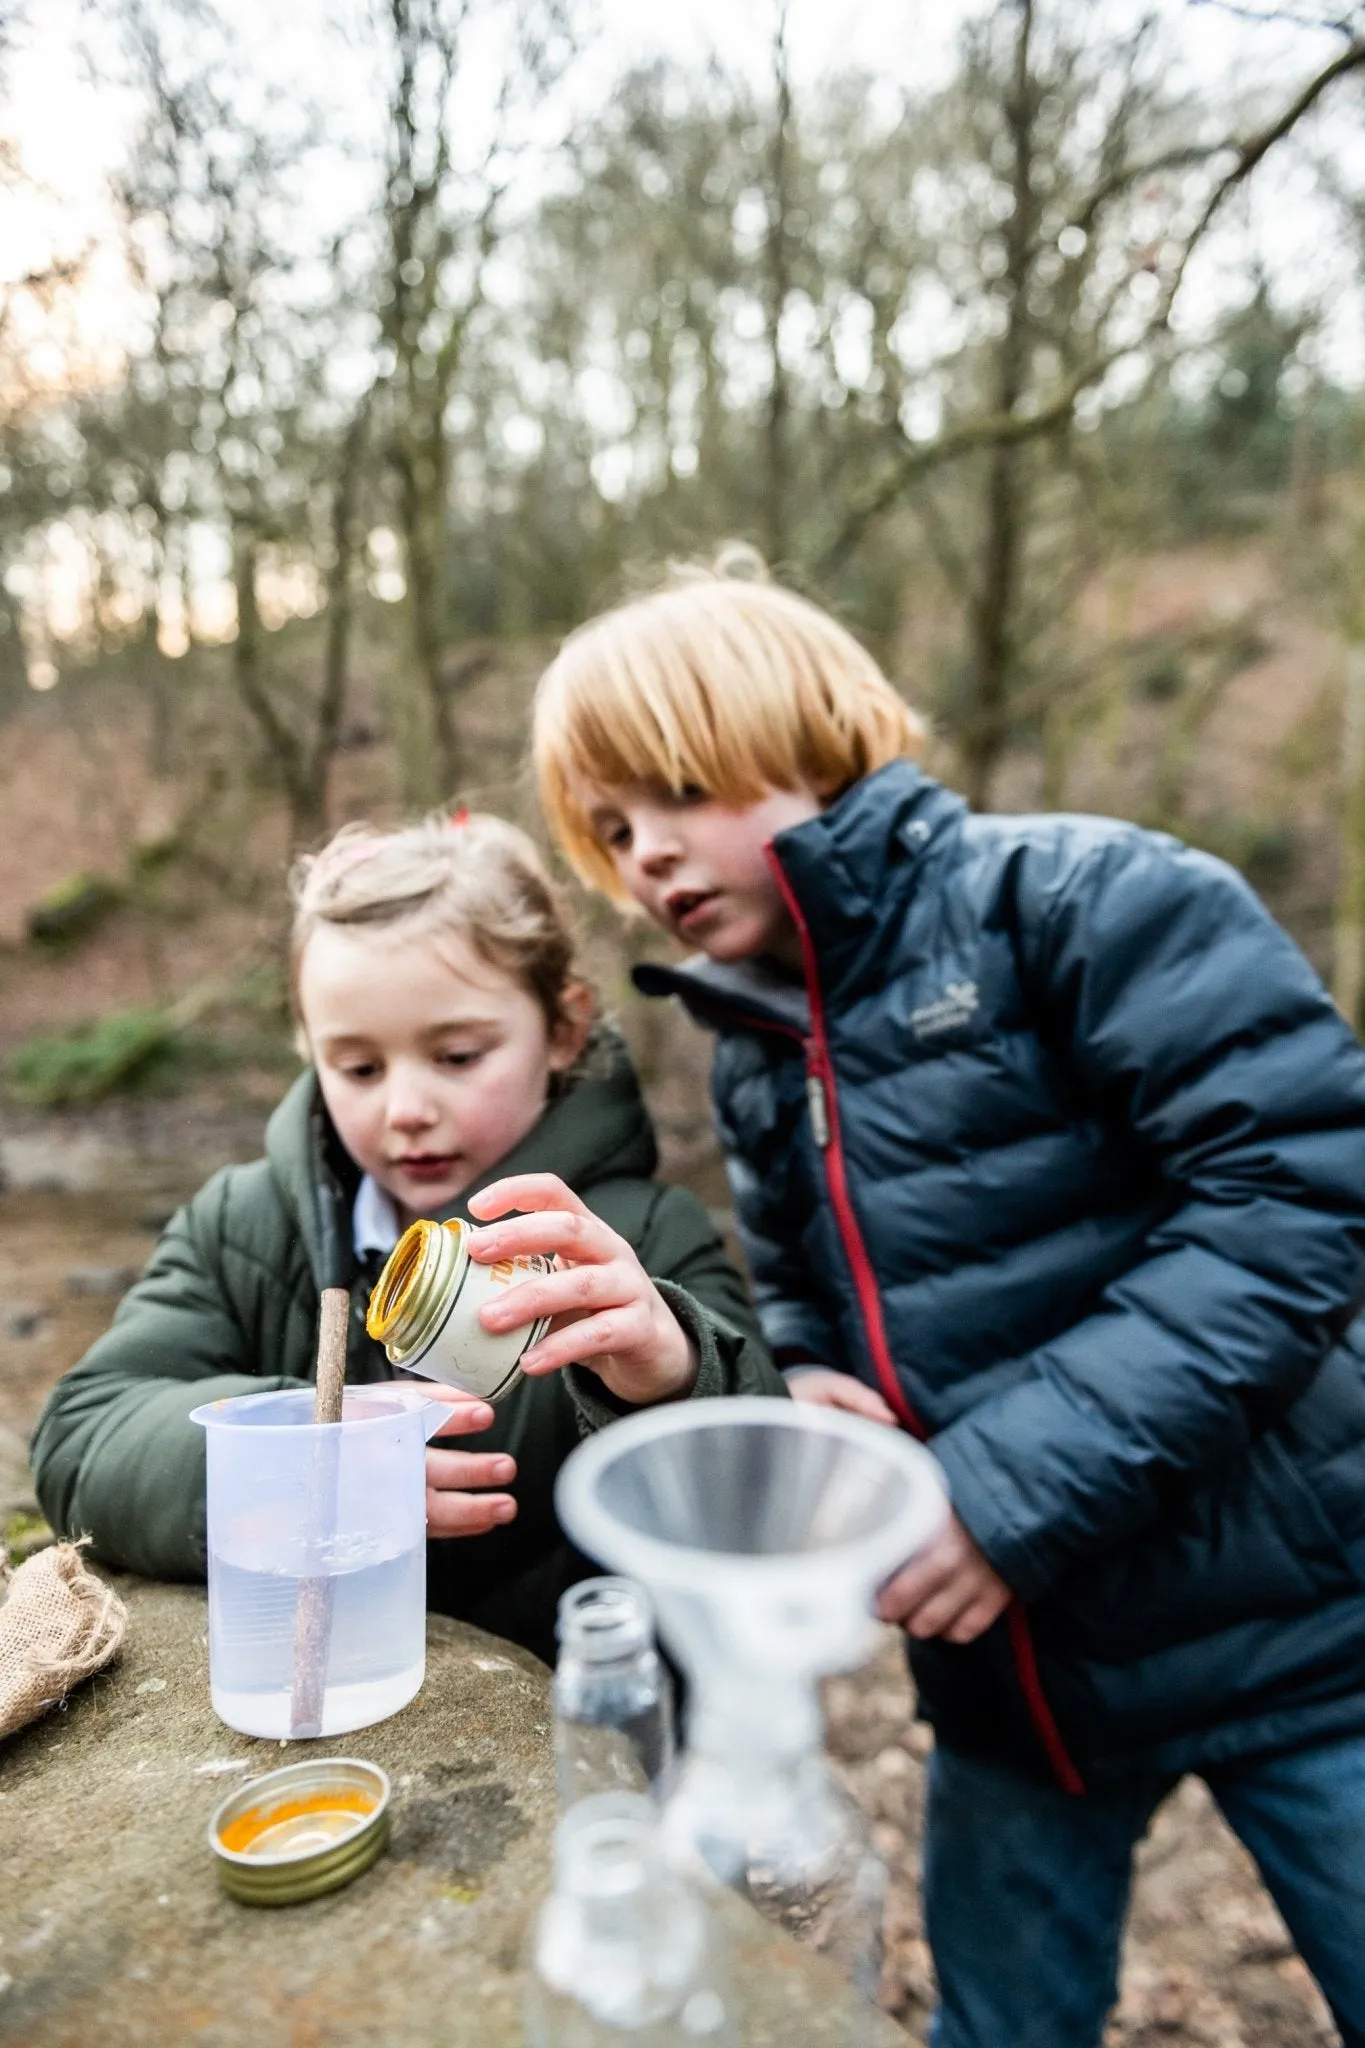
x,y
852,871
597,1129
719,993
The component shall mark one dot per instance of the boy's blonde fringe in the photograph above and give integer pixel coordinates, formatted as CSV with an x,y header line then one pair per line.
x,y
721,680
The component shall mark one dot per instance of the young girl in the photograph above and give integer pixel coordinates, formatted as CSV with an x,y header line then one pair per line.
x,y
1049,1146
454,1071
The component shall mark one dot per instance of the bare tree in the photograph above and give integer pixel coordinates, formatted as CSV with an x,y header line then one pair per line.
x,y
228,422
777,279
444,216
1088,275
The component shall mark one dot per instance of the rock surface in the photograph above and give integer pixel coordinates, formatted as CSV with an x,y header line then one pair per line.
x,y
113,1927
17,1496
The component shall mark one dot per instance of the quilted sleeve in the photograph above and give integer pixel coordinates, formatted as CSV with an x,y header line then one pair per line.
x,y
1192,1021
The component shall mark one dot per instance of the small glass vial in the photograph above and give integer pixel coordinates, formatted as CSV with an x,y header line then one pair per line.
x,y
613,1698
623,1950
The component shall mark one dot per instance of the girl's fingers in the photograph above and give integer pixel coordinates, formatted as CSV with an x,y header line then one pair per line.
x,y
571,1233
469,1468
526,1191
468,1514
608,1335
569,1291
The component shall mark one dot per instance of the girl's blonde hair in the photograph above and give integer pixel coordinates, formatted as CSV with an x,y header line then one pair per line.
x,y
721,680
471,874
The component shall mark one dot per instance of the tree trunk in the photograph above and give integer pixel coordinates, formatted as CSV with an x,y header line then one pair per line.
x,y
1348,973
426,773
777,281
340,617
993,611
301,790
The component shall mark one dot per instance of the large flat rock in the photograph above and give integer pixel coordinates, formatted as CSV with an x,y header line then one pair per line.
x,y
113,1928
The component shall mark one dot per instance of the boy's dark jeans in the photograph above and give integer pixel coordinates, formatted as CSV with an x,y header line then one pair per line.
x,y
1026,1888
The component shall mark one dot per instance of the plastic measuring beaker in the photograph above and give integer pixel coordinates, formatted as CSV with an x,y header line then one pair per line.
x,y
292,1503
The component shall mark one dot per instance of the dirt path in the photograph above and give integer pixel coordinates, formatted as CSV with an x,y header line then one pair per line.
x,y
1207,1962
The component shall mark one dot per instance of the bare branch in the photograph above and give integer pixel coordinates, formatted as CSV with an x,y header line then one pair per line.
x,y
950,559
1005,426
1186,157
990,431
1250,154
1339,24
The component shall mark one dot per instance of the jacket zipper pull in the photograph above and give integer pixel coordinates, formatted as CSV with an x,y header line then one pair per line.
x,y
818,1103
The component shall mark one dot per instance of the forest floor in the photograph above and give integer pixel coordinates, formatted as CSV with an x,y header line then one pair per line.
x,y
1207,1962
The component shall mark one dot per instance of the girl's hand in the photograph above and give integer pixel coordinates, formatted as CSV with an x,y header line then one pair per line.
x,y
821,1388
948,1590
452,1509
607,1313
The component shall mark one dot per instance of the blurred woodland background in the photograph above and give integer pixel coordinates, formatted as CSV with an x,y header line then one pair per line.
x,y
357,394
393,337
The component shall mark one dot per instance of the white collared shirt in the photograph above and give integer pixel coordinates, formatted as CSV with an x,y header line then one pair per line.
x,y
374,1219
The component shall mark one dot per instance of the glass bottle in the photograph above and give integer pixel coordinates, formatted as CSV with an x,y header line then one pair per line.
x,y
613,1698
624,1952
755,1803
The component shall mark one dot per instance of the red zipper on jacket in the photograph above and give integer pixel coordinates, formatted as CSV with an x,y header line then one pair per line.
x,y
824,1104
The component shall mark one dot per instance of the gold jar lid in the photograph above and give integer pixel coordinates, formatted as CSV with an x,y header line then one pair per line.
x,y
420,1277
301,1831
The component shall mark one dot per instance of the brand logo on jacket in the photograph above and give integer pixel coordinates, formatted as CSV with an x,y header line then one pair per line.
x,y
957,1005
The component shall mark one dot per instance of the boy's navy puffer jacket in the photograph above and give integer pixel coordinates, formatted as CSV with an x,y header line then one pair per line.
x,y
1062,1145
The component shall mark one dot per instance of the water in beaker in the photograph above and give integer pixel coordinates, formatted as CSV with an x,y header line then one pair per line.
x,y
375,1651
327,1517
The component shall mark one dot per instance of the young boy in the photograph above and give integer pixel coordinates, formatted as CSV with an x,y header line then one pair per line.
x,y
1048,1145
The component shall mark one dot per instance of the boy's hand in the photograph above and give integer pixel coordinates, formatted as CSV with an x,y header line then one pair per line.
x,y
607,1313
820,1388
453,1510
948,1590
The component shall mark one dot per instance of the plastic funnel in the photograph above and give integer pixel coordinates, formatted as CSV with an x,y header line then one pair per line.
x,y
762,1528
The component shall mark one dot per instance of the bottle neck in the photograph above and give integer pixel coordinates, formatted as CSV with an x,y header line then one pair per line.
x,y
605,1622
604,1849
740,1722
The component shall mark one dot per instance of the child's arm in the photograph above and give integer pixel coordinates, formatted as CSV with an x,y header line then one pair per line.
x,y
1188,1017
772,1221
654,1320
115,1456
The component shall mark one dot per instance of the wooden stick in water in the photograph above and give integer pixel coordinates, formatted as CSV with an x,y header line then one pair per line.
x,y
313,1615
332,1322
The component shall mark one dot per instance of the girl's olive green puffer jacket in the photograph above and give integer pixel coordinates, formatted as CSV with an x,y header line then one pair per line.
x,y
229,1305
